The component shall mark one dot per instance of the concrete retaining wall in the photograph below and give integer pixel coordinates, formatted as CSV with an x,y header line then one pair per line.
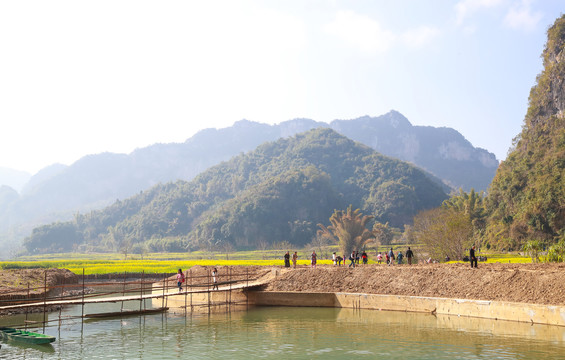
x,y
200,301
498,310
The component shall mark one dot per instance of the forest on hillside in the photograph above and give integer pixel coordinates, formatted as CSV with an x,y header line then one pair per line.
x,y
524,207
278,192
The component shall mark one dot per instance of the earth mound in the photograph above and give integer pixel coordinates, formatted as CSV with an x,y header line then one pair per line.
x,y
526,283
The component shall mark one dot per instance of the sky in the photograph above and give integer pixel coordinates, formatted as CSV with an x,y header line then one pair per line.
x,y
85,77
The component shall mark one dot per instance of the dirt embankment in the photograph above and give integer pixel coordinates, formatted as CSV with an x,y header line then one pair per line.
x,y
15,282
527,283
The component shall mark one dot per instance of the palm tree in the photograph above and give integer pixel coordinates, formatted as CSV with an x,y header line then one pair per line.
x,y
348,228
533,248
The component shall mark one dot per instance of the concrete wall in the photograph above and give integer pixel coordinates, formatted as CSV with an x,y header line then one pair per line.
x,y
199,301
498,310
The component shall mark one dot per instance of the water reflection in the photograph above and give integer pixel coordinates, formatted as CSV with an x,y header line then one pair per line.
x,y
300,333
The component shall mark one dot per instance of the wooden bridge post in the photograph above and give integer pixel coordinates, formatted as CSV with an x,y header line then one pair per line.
x,y
82,302
208,275
124,290
167,291
164,281
190,277
28,299
185,295
141,291
61,306
44,299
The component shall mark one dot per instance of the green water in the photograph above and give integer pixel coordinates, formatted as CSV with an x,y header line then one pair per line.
x,y
294,333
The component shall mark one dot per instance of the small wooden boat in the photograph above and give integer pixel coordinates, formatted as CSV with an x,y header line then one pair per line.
x,y
25,336
125,313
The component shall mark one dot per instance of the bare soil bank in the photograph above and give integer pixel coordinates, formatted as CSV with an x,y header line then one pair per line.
x,y
527,283
13,280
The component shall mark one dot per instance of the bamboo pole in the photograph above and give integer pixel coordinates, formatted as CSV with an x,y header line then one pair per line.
x,y
61,307
44,299
164,281
167,291
141,291
123,290
82,302
190,276
28,299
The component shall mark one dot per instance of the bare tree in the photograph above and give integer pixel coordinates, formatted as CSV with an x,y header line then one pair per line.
x,y
443,232
320,243
263,246
227,248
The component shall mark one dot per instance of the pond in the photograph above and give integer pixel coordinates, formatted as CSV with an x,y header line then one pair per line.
x,y
297,333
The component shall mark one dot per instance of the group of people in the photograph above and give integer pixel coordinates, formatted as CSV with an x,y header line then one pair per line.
x,y
389,256
181,279
294,259
399,257
354,258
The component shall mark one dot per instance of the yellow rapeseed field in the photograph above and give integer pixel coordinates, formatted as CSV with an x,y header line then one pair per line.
x,y
138,266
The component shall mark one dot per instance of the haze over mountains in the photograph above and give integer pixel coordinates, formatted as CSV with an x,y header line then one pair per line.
x,y
57,192
278,192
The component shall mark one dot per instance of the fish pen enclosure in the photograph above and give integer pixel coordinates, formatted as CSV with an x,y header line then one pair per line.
x,y
130,294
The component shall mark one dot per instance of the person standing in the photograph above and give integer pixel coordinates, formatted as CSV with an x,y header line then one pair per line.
x,y
334,258
294,259
215,279
180,279
314,258
391,257
364,257
352,259
379,258
472,257
287,259
409,255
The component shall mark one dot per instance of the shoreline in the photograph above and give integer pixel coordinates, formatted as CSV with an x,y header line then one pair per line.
x,y
481,309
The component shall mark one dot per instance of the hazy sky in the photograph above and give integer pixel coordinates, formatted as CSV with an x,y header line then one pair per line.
x,y
83,77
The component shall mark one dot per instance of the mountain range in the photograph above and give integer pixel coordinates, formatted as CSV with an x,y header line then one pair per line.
x,y
278,192
58,192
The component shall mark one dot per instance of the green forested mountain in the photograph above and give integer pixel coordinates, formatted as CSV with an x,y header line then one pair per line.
x,y
95,181
527,197
278,192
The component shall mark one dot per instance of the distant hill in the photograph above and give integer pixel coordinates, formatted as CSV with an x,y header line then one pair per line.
x,y
58,192
278,192
527,196
13,178
442,151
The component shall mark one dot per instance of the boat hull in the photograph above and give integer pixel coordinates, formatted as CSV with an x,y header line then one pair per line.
x,y
27,337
